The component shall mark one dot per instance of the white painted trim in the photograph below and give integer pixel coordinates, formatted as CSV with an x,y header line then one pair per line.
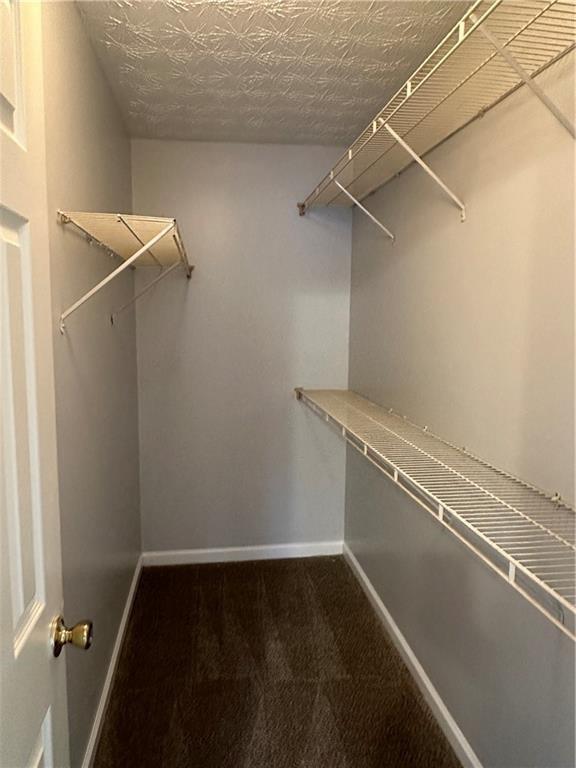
x,y
445,720
237,554
107,687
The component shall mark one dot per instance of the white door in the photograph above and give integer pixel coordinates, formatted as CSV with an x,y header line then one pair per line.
x,y
33,722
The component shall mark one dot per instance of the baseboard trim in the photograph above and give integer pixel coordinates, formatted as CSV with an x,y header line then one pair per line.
x,y
237,554
277,552
107,687
458,741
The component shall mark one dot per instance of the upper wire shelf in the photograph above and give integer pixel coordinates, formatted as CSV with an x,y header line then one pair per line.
x,y
137,240
527,537
478,63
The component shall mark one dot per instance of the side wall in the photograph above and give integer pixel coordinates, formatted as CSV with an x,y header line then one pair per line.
x,y
88,157
468,328
226,456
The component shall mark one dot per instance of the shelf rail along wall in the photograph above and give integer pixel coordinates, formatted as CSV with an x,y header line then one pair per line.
x,y
119,234
496,47
527,537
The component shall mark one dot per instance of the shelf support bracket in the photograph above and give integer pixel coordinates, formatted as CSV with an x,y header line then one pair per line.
x,y
114,274
161,276
365,210
521,72
129,228
456,200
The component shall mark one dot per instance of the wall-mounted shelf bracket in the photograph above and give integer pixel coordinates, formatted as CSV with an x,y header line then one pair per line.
x,y
118,234
463,77
365,210
456,200
521,72
151,284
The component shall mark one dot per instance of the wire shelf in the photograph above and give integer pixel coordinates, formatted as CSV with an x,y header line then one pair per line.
x,y
123,233
527,537
143,241
462,78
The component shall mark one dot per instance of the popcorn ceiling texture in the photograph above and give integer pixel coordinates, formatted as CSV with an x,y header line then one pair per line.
x,y
286,71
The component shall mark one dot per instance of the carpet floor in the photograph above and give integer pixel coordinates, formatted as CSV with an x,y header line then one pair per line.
x,y
270,664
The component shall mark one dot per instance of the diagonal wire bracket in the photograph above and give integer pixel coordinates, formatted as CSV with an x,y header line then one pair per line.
x,y
525,76
456,200
365,210
151,284
146,247
136,237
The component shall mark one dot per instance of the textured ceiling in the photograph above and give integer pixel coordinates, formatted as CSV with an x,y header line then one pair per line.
x,y
287,71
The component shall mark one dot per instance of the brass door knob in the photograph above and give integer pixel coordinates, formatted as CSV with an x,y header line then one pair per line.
x,y
80,635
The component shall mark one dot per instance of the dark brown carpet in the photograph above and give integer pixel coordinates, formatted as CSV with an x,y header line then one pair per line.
x,y
274,664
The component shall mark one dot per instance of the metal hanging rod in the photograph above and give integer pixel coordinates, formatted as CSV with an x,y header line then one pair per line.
x,y
521,72
429,171
366,211
117,234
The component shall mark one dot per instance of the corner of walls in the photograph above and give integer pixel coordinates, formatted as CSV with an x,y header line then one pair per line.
x,y
136,209
89,168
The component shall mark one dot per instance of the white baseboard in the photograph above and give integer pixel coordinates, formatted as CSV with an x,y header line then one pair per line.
x,y
237,554
458,741
107,687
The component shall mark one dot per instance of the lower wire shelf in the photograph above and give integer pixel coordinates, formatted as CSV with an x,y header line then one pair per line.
x,y
527,537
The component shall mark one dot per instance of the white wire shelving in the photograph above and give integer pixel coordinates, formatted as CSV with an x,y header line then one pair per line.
x,y
524,535
150,241
495,47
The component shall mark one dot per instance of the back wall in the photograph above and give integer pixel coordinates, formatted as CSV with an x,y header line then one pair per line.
x,y
227,457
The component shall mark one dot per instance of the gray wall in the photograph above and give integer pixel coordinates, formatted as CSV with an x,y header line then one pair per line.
x,y
505,673
88,156
227,456
468,328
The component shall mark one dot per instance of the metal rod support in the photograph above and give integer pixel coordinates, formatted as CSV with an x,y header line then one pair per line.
x,y
146,288
114,274
365,210
129,228
521,72
428,170
182,251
